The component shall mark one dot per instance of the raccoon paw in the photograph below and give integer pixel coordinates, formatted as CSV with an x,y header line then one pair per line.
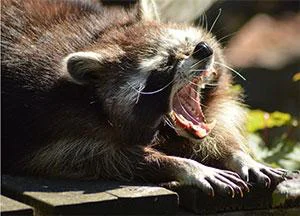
x,y
253,171
262,174
211,180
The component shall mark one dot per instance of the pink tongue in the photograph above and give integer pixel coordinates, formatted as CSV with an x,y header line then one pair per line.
x,y
200,130
187,103
188,112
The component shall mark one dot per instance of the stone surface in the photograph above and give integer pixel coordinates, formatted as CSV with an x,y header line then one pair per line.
x,y
13,207
67,197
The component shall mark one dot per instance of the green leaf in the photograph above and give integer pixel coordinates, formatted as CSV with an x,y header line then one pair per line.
x,y
258,119
284,153
296,77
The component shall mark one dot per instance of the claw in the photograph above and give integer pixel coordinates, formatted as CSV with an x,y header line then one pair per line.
x,y
251,170
211,193
268,182
231,191
247,188
237,181
241,192
232,173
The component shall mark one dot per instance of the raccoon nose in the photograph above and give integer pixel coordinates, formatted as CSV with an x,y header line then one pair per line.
x,y
202,51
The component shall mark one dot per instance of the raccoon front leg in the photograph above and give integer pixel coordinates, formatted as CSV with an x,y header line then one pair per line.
x,y
89,160
157,167
248,168
228,142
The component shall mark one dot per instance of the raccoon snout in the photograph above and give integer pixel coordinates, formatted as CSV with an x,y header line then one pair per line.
x,y
202,51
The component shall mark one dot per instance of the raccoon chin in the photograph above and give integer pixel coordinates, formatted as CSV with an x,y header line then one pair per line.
x,y
187,108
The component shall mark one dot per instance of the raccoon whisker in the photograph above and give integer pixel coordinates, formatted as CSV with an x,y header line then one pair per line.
x,y
216,19
231,69
190,79
151,92
196,92
170,124
193,83
201,104
138,95
201,96
212,84
200,21
206,22
198,62
186,78
196,70
226,36
193,90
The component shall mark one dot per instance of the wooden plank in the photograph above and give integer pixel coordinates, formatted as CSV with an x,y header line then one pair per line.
x,y
195,200
157,199
67,197
287,193
284,195
263,212
13,207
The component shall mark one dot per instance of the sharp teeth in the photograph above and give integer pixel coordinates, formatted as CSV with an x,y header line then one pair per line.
x,y
182,119
172,114
201,132
212,124
181,116
197,127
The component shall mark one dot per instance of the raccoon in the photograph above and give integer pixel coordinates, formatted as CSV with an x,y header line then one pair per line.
x,y
101,92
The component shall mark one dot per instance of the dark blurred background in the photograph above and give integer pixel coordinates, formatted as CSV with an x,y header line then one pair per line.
x,y
262,42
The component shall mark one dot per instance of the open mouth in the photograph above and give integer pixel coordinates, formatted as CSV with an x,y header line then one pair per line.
x,y
187,111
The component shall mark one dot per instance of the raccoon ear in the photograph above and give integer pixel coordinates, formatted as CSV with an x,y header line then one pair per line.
x,y
148,10
83,67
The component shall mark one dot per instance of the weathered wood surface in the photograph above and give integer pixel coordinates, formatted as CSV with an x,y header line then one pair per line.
x,y
89,197
13,207
285,195
262,212
65,197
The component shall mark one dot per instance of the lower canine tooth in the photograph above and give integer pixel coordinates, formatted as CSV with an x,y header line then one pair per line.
x,y
201,133
212,124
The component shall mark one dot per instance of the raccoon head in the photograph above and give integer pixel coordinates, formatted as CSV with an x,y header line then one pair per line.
x,y
147,73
